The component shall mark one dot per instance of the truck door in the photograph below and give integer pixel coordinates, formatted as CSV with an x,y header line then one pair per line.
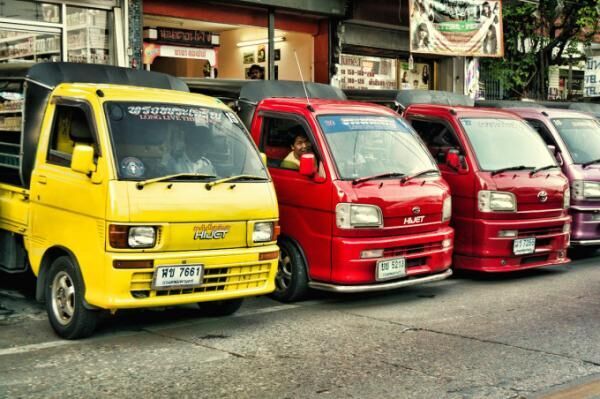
x,y
68,208
304,202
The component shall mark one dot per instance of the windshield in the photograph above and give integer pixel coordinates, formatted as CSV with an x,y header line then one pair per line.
x,y
152,140
506,143
582,137
367,145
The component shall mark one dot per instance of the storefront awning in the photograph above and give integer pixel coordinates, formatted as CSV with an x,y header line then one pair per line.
x,y
325,7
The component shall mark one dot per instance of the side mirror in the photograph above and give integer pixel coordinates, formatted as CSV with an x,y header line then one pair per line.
x,y
82,160
456,161
556,154
263,157
308,165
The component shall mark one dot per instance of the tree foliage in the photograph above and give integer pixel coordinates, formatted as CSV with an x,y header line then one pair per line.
x,y
537,36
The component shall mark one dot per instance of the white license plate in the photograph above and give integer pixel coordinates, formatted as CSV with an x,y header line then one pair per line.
x,y
391,268
524,246
184,276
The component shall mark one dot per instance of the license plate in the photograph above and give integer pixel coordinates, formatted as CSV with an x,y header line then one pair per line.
x,y
391,268
184,276
524,246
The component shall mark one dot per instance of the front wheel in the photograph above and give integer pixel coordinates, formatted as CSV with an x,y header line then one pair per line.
x,y
221,308
291,281
68,316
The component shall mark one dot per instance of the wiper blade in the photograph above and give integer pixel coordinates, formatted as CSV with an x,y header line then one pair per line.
x,y
419,174
232,178
595,161
539,169
375,177
516,167
141,184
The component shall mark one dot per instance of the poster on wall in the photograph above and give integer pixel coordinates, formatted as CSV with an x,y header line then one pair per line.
x,y
456,27
417,78
591,82
472,78
360,72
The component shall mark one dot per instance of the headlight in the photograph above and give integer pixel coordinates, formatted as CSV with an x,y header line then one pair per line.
x,y
348,216
567,198
586,190
447,209
141,237
263,232
492,201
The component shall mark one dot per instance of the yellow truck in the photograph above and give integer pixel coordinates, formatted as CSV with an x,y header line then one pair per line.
x,y
120,189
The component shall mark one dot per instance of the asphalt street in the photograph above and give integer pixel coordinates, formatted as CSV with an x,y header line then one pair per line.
x,y
532,334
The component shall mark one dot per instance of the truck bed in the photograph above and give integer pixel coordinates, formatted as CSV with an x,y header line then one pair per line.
x,y
14,208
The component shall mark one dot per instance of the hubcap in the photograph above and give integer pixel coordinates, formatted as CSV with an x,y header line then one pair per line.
x,y
63,298
283,280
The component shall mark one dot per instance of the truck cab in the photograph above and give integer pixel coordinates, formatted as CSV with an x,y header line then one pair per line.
x,y
509,196
120,189
574,138
365,209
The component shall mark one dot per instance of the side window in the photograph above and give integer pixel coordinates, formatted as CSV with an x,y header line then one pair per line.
x,y
438,138
70,127
542,130
283,140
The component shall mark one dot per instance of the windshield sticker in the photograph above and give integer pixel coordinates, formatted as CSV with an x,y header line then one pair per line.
x,y
198,116
492,123
339,124
576,123
132,167
232,118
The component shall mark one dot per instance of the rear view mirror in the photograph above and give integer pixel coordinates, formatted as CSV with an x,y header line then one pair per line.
x,y
308,165
82,160
456,161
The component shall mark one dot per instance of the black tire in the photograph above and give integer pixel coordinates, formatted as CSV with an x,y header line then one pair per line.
x,y
68,316
220,308
583,252
291,281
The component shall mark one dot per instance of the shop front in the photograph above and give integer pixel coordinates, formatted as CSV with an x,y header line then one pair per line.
x,y
375,50
74,31
231,41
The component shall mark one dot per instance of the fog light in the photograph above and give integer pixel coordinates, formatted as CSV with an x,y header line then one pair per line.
x,y
503,262
508,233
446,243
567,228
371,253
561,255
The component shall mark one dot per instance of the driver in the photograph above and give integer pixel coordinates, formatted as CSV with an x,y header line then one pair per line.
x,y
182,154
300,146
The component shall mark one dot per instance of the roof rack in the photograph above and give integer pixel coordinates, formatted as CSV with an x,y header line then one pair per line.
x,y
404,98
246,94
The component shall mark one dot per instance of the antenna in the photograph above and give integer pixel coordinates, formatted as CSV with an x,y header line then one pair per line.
x,y
309,106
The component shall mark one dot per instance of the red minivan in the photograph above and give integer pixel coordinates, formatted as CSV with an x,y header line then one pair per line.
x,y
510,198
365,208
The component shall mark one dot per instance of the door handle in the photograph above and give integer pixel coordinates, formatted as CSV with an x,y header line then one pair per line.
x,y
42,179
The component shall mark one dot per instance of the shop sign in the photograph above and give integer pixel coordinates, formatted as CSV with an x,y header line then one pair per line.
x,y
591,85
181,37
152,50
456,27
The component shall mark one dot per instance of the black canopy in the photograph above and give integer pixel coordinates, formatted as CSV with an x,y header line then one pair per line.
x,y
508,104
404,98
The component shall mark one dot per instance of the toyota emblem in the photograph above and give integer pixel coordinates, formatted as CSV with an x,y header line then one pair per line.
x,y
416,210
543,196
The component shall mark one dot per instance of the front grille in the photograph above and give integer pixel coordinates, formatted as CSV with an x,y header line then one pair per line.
x,y
412,249
217,278
541,231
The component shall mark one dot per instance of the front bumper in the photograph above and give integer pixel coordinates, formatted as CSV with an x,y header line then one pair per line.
x,y
424,255
488,252
228,274
585,228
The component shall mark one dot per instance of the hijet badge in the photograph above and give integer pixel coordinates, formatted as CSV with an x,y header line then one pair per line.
x,y
211,231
